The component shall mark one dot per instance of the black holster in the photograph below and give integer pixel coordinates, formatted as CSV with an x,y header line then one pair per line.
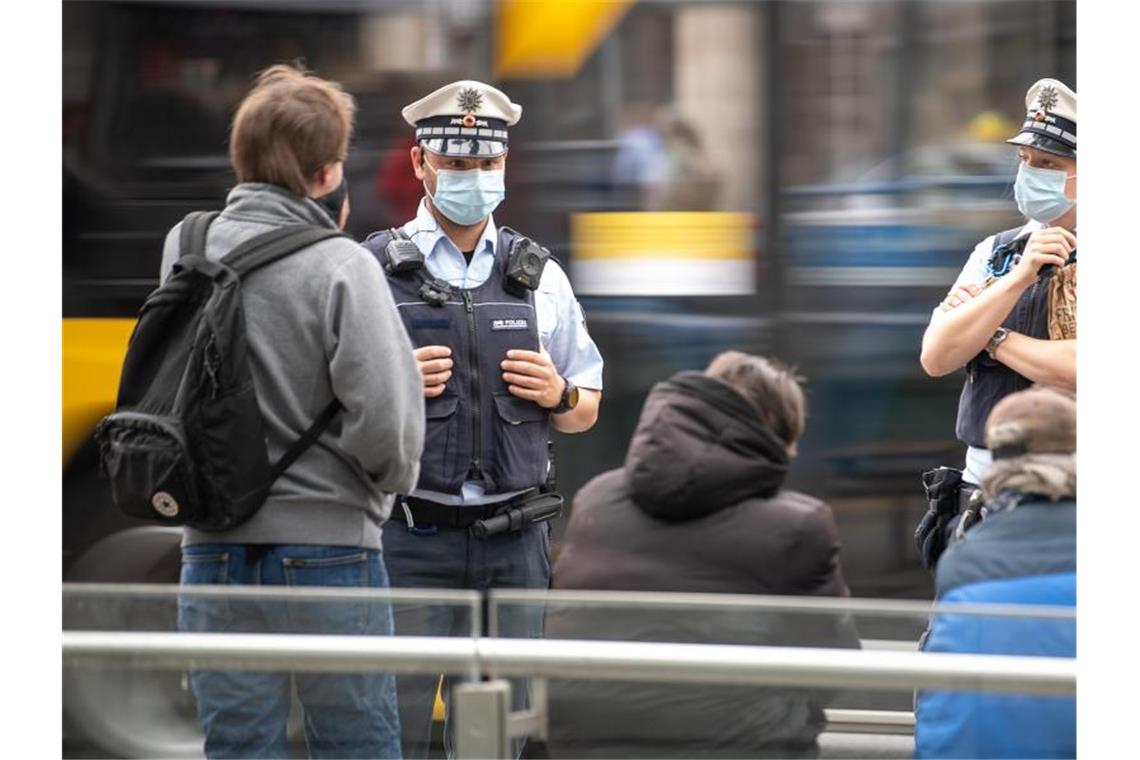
x,y
529,510
953,507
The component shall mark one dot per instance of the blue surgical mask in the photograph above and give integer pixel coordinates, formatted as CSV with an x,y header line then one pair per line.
x,y
467,197
1040,193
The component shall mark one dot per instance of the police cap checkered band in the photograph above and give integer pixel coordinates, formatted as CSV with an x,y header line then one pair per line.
x,y
463,136
465,147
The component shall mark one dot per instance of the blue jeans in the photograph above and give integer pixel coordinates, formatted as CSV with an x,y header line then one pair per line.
x,y
244,713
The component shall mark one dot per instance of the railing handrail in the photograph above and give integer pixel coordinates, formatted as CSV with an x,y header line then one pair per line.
x,y
591,660
774,602
642,599
173,591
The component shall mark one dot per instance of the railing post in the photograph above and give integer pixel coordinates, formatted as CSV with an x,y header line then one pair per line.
x,y
482,709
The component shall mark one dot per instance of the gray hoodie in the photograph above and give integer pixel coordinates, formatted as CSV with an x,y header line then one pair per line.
x,y
321,324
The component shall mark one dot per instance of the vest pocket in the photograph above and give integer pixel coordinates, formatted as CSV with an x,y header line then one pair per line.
x,y
440,469
148,461
521,430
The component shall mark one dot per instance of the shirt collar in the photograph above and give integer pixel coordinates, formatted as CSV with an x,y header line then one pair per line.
x,y
425,231
1031,226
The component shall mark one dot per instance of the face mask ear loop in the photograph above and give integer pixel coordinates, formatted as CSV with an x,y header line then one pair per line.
x,y
428,166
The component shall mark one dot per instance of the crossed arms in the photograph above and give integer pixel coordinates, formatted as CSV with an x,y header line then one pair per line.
x,y
964,322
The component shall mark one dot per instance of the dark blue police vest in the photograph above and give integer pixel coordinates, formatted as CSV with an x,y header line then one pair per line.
x,y
476,430
988,380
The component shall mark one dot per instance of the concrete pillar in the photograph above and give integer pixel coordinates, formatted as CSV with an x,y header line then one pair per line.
x,y
718,76
397,42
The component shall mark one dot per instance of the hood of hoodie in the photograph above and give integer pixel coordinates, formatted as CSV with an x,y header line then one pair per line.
x,y
700,447
256,207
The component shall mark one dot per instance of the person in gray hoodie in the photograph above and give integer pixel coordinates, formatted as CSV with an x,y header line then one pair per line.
x,y
321,324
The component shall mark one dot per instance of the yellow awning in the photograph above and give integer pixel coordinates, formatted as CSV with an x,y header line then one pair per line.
x,y
551,38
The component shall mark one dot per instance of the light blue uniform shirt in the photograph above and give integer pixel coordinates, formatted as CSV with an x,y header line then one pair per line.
x,y
561,324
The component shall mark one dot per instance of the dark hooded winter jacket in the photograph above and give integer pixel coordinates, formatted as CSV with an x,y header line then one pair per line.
x,y
698,507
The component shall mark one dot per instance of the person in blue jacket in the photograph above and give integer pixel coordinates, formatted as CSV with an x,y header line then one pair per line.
x,y
1023,552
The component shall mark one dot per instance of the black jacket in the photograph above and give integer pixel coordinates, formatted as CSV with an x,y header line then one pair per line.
x,y
697,508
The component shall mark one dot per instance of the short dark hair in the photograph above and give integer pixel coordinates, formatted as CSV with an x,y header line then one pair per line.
x,y
769,385
290,125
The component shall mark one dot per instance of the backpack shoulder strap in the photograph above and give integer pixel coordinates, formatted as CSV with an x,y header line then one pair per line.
x,y
268,247
192,238
307,439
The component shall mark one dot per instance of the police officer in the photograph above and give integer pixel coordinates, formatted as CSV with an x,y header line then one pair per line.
x,y
502,345
1010,318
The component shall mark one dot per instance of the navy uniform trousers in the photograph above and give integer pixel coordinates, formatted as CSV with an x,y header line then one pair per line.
x,y
446,558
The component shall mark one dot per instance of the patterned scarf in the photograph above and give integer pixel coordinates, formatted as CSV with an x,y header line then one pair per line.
x,y
1063,303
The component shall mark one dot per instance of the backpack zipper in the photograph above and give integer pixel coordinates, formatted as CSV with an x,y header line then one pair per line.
x,y
149,419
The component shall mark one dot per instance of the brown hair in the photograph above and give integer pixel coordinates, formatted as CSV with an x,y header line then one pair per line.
x,y
770,386
290,125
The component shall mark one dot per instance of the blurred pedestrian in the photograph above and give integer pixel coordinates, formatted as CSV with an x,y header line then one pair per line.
x,y
691,183
640,163
396,186
502,346
1024,552
1010,318
323,333
700,506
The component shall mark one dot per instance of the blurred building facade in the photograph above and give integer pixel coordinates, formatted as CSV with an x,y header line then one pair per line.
x,y
824,133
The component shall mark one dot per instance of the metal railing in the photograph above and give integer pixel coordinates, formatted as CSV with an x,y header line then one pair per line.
x,y
723,664
480,708
484,724
904,608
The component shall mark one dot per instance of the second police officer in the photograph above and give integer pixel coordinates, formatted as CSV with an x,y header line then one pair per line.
x,y
1010,318
502,346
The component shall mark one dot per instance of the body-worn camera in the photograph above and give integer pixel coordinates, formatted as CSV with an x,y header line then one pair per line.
x,y
525,263
403,256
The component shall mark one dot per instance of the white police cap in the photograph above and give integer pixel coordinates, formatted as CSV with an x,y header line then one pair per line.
x,y
1051,119
465,118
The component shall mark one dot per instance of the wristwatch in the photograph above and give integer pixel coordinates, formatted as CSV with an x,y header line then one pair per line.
x,y
999,335
569,398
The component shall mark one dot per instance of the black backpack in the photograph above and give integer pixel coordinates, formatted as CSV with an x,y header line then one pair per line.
x,y
186,444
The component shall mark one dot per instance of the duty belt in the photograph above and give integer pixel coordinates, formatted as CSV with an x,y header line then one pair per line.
x,y
422,513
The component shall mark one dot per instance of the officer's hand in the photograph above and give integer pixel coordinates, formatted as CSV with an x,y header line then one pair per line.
x,y
958,295
435,366
532,376
1050,246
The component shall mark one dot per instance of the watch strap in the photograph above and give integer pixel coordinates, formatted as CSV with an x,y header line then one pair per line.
x,y
996,340
564,402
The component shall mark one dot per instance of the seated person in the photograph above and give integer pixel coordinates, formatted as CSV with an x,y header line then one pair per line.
x,y
699,507
1023,552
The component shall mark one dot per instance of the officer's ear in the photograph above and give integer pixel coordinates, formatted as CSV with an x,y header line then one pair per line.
x,y
418,158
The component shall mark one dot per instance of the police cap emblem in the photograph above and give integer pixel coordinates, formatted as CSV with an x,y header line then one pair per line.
x,y
1047,98
469,100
